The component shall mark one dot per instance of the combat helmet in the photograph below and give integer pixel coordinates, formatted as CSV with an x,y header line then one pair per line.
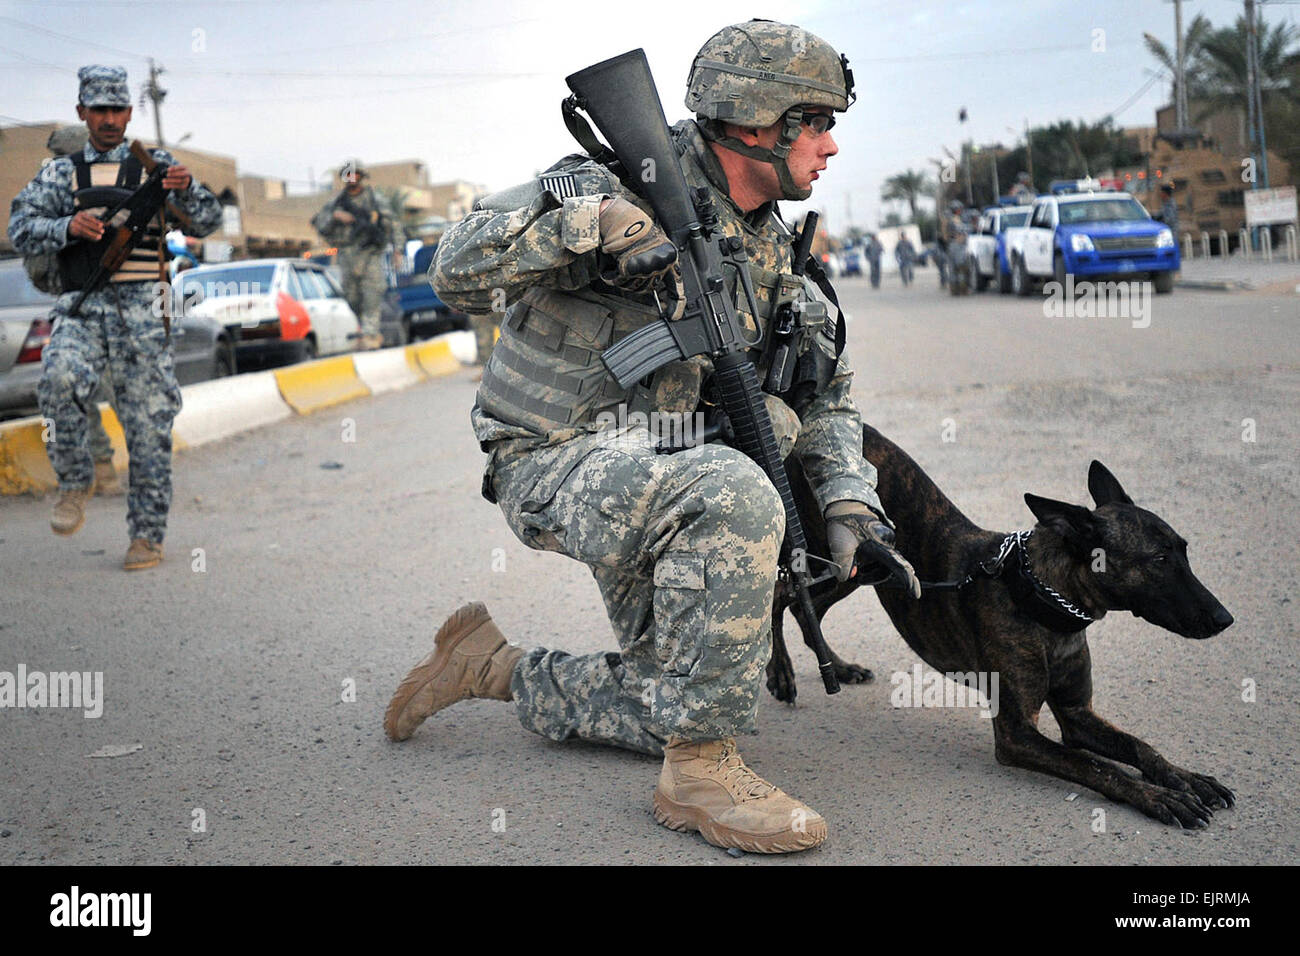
x,y
756,73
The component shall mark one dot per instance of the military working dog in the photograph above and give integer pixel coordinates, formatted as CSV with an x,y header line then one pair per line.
x,y
1021,611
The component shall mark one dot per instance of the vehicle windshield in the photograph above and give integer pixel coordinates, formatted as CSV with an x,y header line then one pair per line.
x,y
1102,210
1013,219
16,290
236,280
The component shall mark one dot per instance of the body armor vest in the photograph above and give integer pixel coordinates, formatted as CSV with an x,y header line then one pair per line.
x,y
100,187
545,372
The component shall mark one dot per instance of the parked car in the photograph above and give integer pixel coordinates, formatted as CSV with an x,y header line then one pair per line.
x,y
201,348
1091,234
988,244
854,261
412,310
275,311
833,263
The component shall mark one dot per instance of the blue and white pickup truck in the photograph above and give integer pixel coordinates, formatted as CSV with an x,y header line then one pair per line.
x,y
1090,235
988,245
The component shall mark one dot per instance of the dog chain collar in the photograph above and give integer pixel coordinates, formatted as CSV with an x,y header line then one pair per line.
x,y
1054,611
1077,613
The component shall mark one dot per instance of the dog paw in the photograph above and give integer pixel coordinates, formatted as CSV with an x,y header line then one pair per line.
x,y
1211,792
1174,807
780,683
848,673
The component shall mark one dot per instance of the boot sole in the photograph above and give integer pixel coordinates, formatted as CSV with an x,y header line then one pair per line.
x,y
141,565
677,816
455,629
73,530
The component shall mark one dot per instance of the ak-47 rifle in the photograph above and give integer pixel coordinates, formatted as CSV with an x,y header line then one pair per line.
x,y
619,95
125,224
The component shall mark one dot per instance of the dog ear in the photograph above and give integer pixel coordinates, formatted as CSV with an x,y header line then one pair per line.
x,y
1104,487
1074,523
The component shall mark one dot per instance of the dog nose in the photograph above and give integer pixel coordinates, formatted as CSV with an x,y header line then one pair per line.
x,y
1221,618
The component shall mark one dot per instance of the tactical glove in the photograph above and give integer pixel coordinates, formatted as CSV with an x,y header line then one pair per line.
x,y
853,529
639,248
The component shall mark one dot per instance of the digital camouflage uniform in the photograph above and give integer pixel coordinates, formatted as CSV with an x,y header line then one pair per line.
x,y
65,140
361,265
683,547
116,329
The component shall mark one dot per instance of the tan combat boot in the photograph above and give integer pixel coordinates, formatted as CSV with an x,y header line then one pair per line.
x,y
470,659
705,786
70,510
106,482
142,554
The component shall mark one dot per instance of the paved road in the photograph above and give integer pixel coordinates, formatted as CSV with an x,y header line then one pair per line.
x,y
231,678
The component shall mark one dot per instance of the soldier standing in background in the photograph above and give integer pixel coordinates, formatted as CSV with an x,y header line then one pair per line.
x,y
1169,209
485,325
684,547
360,224
905,253
873,251
119,325
1023,190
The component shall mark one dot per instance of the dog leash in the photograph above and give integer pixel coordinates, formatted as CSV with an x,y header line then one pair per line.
x,y
1041,601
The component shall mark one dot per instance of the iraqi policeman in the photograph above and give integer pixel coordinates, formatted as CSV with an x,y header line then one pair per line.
x,y
65,141
360,224
683,547
120,327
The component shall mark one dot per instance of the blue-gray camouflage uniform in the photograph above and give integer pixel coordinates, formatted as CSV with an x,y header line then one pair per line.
x,y
683,547
118,328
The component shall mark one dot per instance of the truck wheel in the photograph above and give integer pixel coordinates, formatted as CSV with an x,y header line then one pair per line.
x,y
1058,271
1164,282
1021,284
981,282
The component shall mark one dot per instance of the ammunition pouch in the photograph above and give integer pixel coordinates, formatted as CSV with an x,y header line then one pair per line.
x,y
78,260
545,372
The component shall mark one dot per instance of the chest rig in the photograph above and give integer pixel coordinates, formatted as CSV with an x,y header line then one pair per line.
x,y
99,188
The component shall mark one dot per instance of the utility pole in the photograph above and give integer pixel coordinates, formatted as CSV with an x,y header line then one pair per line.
x,y
1029,153
156,94
1255,91
1180,74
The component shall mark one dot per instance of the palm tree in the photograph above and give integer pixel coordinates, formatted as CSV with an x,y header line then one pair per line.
x,y
907,187
1224,75
1193,52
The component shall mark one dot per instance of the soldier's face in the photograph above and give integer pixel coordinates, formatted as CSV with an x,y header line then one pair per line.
x,y
107,124
807,157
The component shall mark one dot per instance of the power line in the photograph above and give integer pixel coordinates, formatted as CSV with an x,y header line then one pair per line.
x,y
64,36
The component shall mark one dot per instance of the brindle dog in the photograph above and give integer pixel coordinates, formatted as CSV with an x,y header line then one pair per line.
x,y
991,625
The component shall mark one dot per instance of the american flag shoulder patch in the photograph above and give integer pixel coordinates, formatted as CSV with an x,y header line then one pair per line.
x,y
560,185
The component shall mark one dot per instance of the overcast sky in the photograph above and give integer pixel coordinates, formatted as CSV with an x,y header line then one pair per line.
x,y
292,87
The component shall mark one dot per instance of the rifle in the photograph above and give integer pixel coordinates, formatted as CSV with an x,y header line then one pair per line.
x,y
126,223
367,224
619,95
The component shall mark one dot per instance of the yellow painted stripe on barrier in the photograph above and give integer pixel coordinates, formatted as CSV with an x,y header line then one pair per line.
x,y
413,361
435,357
24,466
320,384
117,437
